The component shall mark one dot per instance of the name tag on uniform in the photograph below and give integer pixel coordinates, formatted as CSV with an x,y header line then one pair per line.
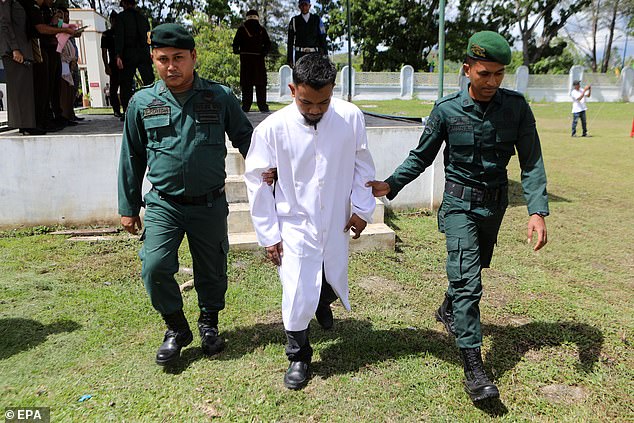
x,y
156,111
459,124
207,112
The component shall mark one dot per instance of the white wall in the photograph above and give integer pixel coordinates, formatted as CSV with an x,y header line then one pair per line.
x,y
72,179
90,52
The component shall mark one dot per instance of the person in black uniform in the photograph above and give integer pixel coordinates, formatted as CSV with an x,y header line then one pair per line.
x,y
132,49
109,56
252,43
306,34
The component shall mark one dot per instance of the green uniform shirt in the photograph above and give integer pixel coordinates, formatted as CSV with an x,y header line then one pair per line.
x,y
479,145
183,147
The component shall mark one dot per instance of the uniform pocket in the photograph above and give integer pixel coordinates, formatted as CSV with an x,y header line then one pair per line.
x,y
461,146
505,142
159,132
454,271
209,134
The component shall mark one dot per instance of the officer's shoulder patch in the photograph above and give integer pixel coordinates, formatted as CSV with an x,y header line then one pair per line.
x,y
447,98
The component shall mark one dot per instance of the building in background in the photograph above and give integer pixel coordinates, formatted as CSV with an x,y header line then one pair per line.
x,y
91,67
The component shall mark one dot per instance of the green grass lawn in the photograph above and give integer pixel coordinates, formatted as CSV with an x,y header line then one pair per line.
x,y
558,324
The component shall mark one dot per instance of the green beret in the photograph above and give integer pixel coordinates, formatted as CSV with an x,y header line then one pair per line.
x,y
172,35
489,46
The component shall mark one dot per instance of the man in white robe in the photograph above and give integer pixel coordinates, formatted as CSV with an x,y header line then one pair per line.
x,y
319,146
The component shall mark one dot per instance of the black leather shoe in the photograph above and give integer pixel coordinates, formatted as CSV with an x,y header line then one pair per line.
x,y
117,114
210,342
297,375
173,342
444,315
477,383
324,316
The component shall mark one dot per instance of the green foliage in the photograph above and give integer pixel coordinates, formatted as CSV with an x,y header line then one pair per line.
x,y
387,33
560,59
216,60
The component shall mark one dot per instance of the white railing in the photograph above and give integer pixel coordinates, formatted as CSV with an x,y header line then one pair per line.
x,y
422,85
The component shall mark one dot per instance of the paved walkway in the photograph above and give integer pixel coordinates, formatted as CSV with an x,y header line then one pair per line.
x,y
108,124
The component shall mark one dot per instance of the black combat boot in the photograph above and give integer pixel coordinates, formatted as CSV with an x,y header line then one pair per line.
x,y
477,383
211,343
444,315
178,335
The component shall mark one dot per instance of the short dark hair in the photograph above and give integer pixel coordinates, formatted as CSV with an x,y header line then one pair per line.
x,y
315,70
576,82
468,60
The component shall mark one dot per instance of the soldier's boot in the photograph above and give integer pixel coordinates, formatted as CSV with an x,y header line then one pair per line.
x,y
177,336
444,315
210,342
477,383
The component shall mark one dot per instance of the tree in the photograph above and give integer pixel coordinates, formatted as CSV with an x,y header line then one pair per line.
x,y
216,60
387,33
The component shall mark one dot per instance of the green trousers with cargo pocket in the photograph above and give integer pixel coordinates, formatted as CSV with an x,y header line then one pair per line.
x,y
471,231
166,223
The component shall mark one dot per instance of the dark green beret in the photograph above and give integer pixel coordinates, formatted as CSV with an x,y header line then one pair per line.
x,y
490,46
172,35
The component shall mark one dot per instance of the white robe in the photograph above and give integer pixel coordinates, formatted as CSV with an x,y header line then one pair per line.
x,y
321,173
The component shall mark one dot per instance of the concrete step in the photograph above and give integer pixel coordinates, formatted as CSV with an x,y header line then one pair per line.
x,y
377,236
236,189
234,163
240,218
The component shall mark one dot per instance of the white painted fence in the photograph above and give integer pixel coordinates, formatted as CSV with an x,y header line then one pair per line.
x,y
408,84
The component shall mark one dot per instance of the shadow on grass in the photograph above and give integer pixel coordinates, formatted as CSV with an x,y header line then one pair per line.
x,y
511,343
516,195
354,345
19,334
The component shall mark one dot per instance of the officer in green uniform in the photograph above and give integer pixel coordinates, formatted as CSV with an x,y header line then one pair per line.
x,y
482,127
176,129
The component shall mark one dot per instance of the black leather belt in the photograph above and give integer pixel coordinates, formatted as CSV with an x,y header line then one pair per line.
x,y
188,200
476,195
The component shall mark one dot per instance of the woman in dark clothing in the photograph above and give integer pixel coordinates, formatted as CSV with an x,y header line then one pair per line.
x,y
252,43
17,57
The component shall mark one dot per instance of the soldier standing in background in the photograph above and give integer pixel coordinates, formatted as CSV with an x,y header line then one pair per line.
x,y
252,43
306,34
132,49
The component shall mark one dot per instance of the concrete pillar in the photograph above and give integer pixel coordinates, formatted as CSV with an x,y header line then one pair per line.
x,y
344,82
407,81
286,77
521,79
627,84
